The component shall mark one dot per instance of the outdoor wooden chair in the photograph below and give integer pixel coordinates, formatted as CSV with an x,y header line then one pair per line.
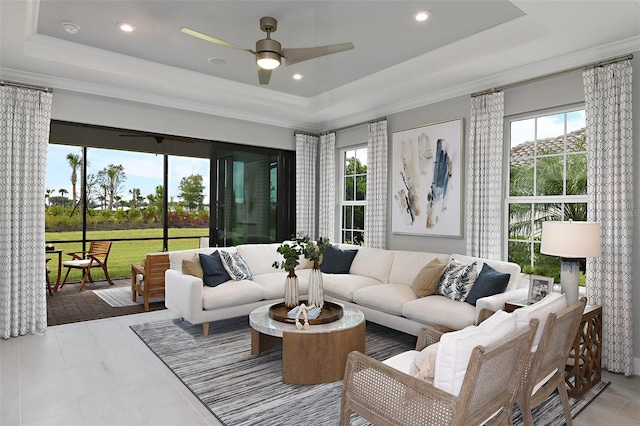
x,y
545,370
386,396
147,280
95,257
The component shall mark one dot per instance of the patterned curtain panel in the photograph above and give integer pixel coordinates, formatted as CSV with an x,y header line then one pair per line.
x,y
306,178
327,207
484,176
375,215
610,190
25,116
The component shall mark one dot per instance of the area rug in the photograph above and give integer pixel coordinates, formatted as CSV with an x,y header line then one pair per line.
x,y
118,297
242,389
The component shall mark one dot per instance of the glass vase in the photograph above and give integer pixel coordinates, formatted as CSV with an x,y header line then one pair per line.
x,y
291,297
316,290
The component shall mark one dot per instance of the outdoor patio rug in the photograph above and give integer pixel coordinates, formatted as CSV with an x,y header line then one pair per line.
x,y
242,389
118,297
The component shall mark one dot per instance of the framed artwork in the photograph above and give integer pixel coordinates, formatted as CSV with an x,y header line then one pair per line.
x,y
539,287
427,180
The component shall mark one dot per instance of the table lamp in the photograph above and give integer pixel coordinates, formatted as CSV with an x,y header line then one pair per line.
x,y
571,241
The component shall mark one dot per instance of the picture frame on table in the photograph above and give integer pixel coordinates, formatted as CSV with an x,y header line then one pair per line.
x,y
539,287
427,175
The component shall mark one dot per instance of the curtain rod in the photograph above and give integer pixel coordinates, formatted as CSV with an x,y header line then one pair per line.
x,y
25,86
553,75
298,132
354,125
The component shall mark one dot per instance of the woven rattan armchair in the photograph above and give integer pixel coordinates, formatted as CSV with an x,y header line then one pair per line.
x,y
386,396
544,373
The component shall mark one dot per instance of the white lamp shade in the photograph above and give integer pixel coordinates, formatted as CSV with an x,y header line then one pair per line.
x,y
571,239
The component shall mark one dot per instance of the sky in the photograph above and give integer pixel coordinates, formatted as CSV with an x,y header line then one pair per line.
x,y
548,126
142,170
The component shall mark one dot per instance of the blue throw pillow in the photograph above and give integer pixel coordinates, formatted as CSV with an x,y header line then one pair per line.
x,y
336,261
213,271
488,283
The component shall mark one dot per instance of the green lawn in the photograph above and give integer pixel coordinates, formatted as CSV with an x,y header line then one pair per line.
x,y
123,253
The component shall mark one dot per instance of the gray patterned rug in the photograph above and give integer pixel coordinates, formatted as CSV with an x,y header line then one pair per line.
x,y
118,297
242,389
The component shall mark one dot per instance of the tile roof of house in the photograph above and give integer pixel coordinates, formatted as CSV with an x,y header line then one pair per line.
x,y
521,154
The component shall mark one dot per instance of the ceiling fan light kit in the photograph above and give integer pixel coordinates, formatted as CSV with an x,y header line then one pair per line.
x,y
269,53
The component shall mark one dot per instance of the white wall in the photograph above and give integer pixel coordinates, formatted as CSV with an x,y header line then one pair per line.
x,y
88,109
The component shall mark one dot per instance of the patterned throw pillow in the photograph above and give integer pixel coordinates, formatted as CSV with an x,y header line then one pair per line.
x,y
457,279
235,265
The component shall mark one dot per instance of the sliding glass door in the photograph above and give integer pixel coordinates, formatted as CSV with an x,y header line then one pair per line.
x,y
252,197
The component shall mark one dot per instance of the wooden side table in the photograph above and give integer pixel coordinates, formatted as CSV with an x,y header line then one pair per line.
x,y
584,368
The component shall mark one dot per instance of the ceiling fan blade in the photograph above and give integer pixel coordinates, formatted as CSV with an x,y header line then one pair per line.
x,y
213,39
293,56
264,76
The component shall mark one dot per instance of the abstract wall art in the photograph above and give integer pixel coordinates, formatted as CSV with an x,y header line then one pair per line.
x,y
427,180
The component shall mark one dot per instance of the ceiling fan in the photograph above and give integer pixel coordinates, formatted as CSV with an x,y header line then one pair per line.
x,y
269,52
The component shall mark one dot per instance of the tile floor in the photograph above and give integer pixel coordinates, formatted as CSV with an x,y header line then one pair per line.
x,y
100,373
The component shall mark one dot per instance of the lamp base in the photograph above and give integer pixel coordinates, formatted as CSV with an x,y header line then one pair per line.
x,y
569,270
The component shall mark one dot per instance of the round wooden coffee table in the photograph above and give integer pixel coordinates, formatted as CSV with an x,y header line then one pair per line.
x,y
313,356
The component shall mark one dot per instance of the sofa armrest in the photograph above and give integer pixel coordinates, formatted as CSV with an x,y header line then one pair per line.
x,y
497,301
183,294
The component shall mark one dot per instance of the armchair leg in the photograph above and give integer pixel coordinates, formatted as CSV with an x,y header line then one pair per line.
x,y
564,398
106,274
84,279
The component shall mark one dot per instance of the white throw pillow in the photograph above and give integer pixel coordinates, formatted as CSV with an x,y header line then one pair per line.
x,y
553,302
235,265
454,349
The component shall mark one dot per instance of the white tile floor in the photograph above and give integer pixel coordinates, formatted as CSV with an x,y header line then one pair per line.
x,y
100,373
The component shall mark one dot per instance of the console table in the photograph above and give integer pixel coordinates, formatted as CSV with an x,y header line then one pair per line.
x,y
584,368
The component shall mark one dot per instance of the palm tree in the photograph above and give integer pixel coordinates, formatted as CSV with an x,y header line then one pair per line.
x,y
47,196
75,161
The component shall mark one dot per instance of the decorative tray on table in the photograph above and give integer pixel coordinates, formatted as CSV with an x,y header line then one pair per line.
x,y
330,312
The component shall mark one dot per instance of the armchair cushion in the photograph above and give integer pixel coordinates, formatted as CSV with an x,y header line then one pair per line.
x,y
488,283
235,265
428,278
457,279
553,302
454,349
213,271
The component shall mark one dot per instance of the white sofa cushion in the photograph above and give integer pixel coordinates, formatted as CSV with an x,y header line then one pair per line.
x,y
373,263
232,293
389,298
176,257
512,269
439,310
553,302
342,286
407,264
260,257
273,284
454,349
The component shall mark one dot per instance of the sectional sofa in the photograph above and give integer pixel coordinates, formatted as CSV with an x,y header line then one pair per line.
x,y
378,283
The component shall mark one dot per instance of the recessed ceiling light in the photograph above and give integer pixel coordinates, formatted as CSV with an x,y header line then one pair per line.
x,y
70,27
126,27
297,76
421,15
217,61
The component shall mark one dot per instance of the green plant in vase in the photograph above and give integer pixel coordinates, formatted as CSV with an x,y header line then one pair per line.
x,y
291,254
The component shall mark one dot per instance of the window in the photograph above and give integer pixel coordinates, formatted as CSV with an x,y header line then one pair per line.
x,y
354,190
547,181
